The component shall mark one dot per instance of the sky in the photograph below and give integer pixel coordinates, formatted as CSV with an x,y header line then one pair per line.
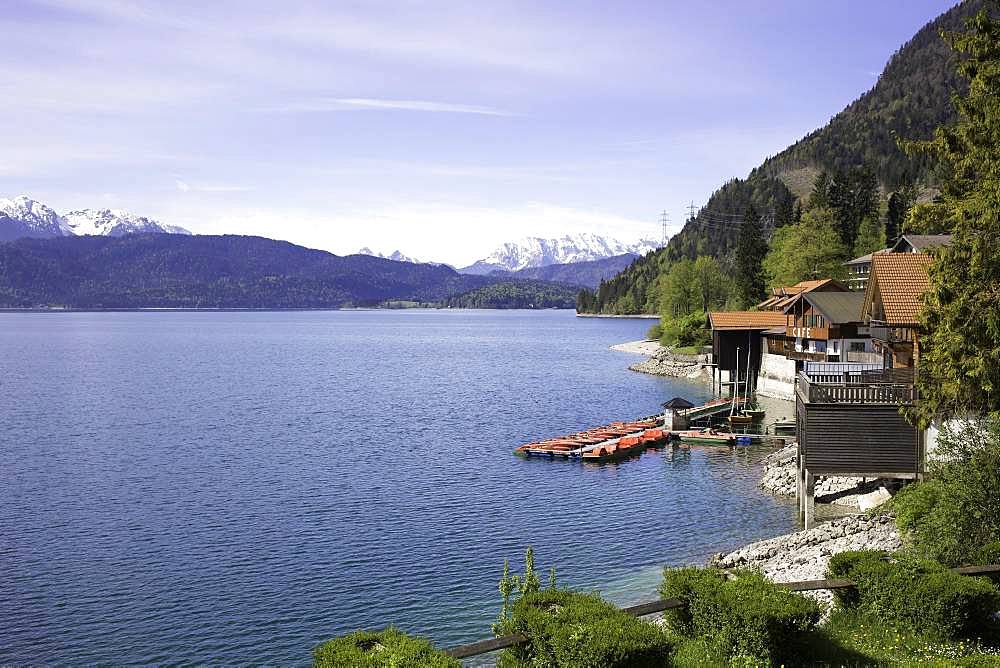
x,y
441,129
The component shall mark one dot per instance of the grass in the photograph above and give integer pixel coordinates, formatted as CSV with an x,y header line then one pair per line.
x,y
850,640
686,350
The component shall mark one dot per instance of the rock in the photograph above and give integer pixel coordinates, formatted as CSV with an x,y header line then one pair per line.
x,y
666,363
873,499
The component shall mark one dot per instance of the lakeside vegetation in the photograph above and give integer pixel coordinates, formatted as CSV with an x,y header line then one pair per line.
x,y
516,294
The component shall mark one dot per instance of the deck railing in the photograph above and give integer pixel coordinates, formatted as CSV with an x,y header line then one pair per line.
x,y
883,331
886,387
662,605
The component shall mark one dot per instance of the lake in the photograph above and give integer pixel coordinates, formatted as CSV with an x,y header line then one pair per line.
x,y
235,487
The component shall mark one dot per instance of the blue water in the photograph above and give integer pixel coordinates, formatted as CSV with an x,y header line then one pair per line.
x,y
237,487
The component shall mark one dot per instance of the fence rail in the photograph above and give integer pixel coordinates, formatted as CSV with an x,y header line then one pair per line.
x,y
662,605
888,387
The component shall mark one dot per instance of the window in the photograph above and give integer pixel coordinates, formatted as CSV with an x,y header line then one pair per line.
x,y
857,346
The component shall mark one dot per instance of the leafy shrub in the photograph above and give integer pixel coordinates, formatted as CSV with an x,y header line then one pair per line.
x,y
389,648
918,594
654,332
913,503
688,330
843,563
569,629
748,616
952,515
987,554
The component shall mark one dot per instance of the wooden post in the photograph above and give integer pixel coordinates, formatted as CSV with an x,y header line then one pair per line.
x,y
810,501
800,490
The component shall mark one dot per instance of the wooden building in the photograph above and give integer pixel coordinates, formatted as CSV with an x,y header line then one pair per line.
x,y
851,425
849,422
734,333
823,327
892,306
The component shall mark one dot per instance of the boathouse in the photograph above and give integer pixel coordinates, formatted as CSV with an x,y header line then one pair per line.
x,y
734,333
848,416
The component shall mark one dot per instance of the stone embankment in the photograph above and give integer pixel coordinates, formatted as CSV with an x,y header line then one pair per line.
x,y
664,362
804,555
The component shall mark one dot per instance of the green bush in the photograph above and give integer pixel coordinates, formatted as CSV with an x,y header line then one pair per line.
x,y
953,514
390,648
654,332
918,594
688,330
569,629
914,503
988,554
840,567
748,617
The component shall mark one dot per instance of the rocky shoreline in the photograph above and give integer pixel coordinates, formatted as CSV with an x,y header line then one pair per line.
x,y
664,362
805,555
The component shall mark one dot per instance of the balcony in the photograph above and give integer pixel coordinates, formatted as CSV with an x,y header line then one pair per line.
x,y
886,333
891,386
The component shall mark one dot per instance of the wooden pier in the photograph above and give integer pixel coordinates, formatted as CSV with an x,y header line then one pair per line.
x,y
623,439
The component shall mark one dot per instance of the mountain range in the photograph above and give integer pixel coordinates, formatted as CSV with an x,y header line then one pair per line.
x,y
25,217
207,271
572,248
396,255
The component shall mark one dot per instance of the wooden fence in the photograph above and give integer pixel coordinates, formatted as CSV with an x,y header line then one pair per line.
x,y
662,605
863,388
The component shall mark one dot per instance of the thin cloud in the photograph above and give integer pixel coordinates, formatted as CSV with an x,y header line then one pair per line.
x,y
186,187
376,104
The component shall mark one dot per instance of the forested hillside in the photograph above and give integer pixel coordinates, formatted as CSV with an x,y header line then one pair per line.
x,y
161,270
910,99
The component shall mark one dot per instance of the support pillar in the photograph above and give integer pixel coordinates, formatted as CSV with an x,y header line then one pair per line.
x,y
810,500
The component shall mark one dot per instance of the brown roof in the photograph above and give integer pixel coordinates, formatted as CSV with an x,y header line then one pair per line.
x,y
899,281
747,320
782,297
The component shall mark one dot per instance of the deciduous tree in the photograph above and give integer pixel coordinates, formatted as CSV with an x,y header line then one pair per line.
x,y
811,248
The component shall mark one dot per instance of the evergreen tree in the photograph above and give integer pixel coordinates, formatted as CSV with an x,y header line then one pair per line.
x,y
854,196
959,362
871,237
750,250
819,198
895,217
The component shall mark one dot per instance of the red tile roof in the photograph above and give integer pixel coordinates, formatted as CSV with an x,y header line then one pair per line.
x,y
899,281
745,320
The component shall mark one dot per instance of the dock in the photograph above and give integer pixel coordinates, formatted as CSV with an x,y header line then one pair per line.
x,y
605,443
624,439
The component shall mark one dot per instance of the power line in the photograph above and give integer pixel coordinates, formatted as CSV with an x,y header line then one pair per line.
x,y
665,223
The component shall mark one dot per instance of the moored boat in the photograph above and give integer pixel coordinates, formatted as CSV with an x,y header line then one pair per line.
x,y
708,437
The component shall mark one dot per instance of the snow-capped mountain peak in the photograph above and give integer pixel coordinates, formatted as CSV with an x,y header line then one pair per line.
x,y
538,252
115,223
32,217
395,255
24,217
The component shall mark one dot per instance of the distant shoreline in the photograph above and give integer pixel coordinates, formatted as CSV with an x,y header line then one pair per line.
x,y
638,316
238,309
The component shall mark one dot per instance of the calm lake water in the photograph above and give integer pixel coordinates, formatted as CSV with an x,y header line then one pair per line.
x,y
237,487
